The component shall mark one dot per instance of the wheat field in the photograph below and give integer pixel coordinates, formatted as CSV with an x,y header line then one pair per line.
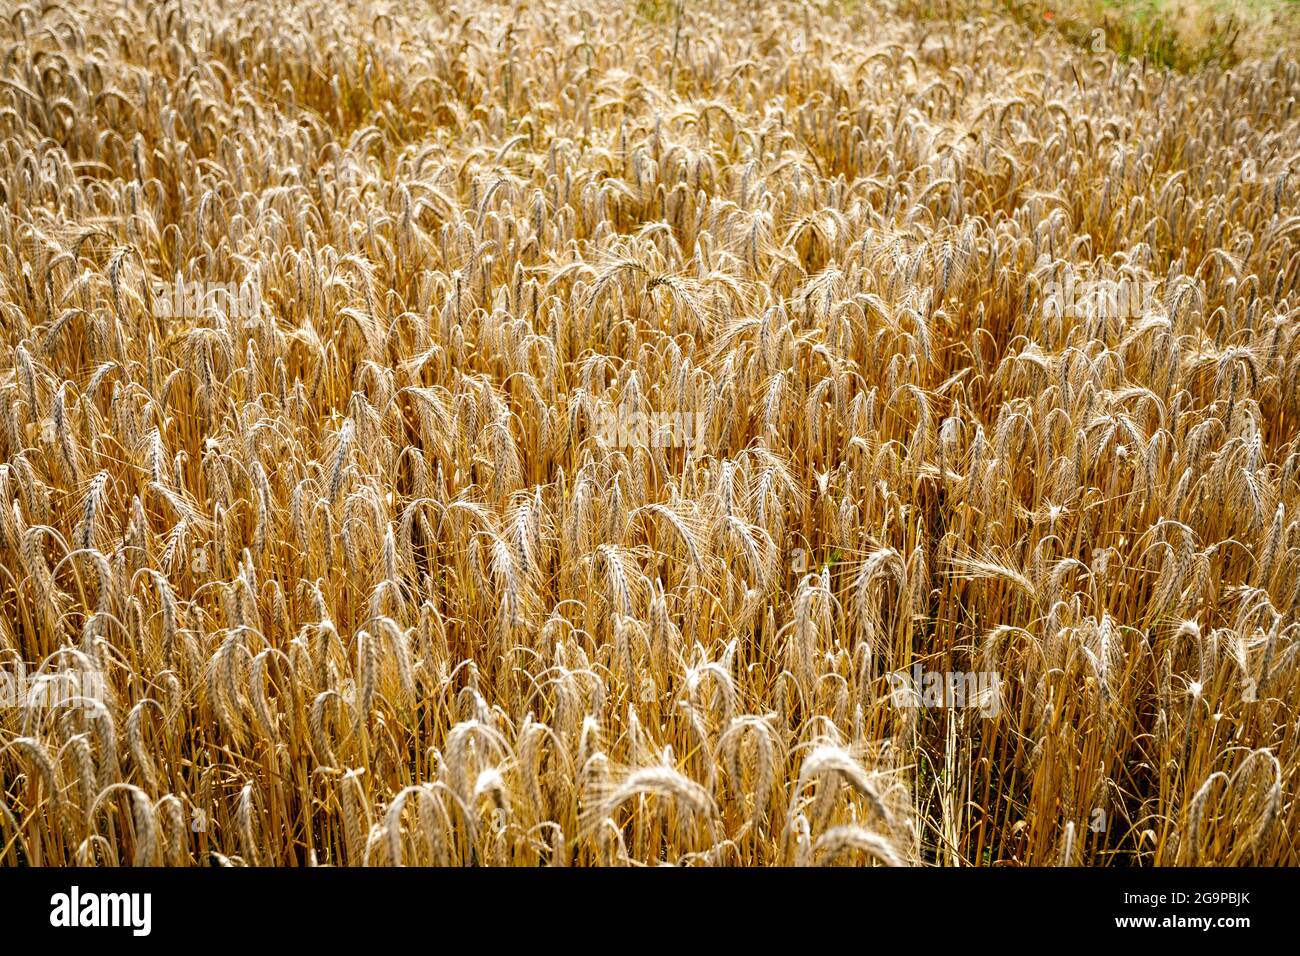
x,y
587,433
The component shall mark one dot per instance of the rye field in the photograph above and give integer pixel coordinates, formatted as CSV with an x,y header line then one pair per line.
x,y
629,432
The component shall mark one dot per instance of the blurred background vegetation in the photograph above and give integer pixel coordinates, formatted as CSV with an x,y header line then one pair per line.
x,y
1183,34
1179,34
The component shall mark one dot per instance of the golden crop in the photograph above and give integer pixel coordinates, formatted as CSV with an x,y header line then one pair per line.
x,y
577,432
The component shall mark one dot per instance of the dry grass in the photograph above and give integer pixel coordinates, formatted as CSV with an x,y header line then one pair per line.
x,y
375,573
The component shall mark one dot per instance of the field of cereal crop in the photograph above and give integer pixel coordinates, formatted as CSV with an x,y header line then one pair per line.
x,y
592,433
